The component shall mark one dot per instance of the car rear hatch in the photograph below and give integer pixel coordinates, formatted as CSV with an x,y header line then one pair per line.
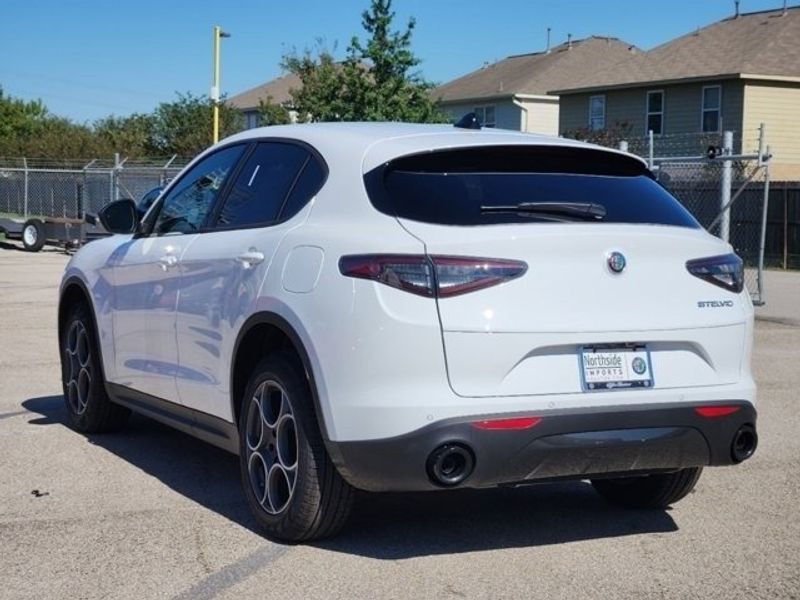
x,y
606,299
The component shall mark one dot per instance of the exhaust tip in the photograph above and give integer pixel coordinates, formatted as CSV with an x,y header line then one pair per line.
x,y
450,464
744,443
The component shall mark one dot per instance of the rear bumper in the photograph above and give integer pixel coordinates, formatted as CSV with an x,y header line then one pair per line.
x,y
574,444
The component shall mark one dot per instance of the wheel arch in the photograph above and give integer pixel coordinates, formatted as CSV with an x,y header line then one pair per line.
x,y
74,291
265,332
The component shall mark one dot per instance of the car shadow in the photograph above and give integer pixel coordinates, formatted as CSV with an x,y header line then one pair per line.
x,y
197,470
382,526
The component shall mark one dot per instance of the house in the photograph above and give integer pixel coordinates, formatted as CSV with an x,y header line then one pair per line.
x,y
277,90
732,75
514,93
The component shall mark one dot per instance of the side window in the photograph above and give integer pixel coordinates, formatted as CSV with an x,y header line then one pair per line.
x,y
186,206
263,184
307,186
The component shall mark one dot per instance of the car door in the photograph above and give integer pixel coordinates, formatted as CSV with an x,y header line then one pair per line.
x,y
147,279
222,272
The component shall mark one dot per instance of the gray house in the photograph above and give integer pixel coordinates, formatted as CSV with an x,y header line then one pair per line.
x,y
732,75
514,93
277,90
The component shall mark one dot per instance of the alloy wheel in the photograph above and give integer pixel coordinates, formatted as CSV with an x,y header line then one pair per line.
x,y
78,365
272,455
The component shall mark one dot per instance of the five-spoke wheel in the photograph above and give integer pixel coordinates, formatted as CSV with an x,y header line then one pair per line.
x,y
291,485
88,406
78,367
271,447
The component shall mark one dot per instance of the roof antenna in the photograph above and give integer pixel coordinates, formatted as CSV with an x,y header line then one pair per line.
x,y
548,41
468,121
736,3
569,41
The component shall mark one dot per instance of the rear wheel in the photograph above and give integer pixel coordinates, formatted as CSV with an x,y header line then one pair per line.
x,y
650,491
33,235
88,406
292,487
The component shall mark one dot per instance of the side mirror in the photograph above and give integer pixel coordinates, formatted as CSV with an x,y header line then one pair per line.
x,y
119,216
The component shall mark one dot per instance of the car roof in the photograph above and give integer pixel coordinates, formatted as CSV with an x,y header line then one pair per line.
x,y
376,143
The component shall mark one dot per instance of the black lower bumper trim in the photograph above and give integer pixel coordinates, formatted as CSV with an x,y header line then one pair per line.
x,y
564,444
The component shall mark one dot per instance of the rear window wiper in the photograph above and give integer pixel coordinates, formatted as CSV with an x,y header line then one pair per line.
x,y
589,211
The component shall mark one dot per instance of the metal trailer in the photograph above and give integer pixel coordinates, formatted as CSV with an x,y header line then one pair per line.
x,y
35,232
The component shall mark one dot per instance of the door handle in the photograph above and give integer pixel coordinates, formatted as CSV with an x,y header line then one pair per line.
x,y
167,261
250,258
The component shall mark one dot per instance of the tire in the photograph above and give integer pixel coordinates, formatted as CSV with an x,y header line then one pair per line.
x,y
88,406
33,235
293,489
651,491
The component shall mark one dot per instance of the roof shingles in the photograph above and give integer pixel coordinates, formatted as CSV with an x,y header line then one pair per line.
x,y
538,73
763,43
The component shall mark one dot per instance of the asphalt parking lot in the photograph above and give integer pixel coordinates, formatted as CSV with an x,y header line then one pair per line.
x,y
153,513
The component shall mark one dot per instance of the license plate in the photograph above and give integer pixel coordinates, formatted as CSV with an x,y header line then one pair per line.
x,y
618,367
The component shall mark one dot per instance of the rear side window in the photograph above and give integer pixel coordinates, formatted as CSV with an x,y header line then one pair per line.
x,y
263,185
505,184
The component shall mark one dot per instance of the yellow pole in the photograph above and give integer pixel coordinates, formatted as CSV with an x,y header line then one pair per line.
x,y
215,84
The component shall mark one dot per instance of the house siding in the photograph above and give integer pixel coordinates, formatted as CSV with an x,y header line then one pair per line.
x,y
507,115
541,116
682,108
777,106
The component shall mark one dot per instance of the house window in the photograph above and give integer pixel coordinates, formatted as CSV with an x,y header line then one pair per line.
x,y
597,113
655,112
251,120
711,109
486,116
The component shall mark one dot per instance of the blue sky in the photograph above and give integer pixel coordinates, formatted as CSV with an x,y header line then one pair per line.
x,y
90,58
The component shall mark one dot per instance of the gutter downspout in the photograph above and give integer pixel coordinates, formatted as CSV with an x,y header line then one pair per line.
x,y
524,117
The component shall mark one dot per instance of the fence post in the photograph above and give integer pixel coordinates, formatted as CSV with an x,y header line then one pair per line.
x,y
762,243
650,162
725,186
25,189
114,176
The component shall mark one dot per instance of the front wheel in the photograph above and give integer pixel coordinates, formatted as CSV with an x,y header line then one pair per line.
x,y
88,405
649,491
292,487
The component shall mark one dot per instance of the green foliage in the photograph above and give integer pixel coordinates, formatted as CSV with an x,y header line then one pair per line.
x,y
20,119
609,136
271,113
181,127
130,136
378,80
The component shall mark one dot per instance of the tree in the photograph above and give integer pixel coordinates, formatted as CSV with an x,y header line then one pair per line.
x,y
378,80
130,136
271,113
183,127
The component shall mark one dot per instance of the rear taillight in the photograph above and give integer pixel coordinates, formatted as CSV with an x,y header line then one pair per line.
x,y
432,276
725,271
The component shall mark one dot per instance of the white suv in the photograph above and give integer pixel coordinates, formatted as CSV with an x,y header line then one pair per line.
x,y
413,307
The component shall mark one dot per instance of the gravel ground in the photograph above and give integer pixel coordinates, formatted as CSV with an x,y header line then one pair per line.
x,y
153,513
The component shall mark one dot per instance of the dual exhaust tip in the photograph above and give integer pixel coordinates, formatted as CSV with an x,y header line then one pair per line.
x,y
451,463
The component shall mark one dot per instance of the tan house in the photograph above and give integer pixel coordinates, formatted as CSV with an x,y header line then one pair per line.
x,y
732,75
514,93
277,90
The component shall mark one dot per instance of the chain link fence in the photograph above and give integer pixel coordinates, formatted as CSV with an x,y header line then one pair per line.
x,y
723,182
70,189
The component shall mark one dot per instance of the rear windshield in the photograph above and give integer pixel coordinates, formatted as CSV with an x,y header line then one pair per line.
x,y
504,184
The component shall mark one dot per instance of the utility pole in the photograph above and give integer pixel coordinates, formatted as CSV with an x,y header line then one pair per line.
x,y
218,34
